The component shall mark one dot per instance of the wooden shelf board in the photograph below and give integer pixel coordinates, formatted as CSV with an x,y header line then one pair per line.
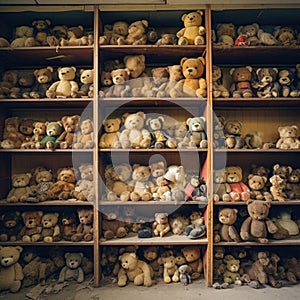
x,y
154,150
151,203
43,151
288,202
70,202
60,243
247,151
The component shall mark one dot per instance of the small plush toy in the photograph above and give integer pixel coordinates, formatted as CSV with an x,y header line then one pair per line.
x,y
11,226
221,187
288,137
178,224
86,86
196,229
135,270
137,34
120,87
257,225
184,274
39,132
68,225
51,229
193,258
233,134
267,85
21,190
257,184
11,273
23,37
56,33
193,84
292,268
160,78
167,39
277,189
76,37
219,90
135,135
24,85
150,253
171,273
114,33
193,31
66,87
8,83
41,31
156,128
53,131
109,261
64,185
84,231
285,35
232,275
196,189
225,230
286,79
239,190
110,139
175,74
84,138
176,134
4,42
266,38
66,138
72,270
250,31
225,34
293,185
242,82
31,231
161,225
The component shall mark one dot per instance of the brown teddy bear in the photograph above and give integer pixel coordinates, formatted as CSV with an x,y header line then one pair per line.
x,y
219,90
193,259
277,189
70,124
135,135
86,86
242,82
225,34
11,272
193,31
112,33
21,190
110,137
175,74
8,83
288,137
43,79
292,268
120,87
221,187
135,270
51,229
293,185
176,133
160,78
232,275
225,230
150,254
167,39
76,37
31,231
11,226
257,225
161,225
65,184
193,84
137,34
66,87
171,273
84,138
285,35
68,225
39,132
257,185
41,31
84,231
233,134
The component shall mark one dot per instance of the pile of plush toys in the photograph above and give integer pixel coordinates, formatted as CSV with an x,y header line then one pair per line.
x,y
255,268
70,132
65,82
43,33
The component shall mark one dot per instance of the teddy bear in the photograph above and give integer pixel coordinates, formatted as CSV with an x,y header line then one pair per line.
x,y
8,83
285,35
41,29
135,135
23,37
257,185
221,187
84,136
120,87
31,231
150,254
135,270
72,270
68,225
267,85
43,181
24,85
196,229
193,258
232,275
250,31
242,82
285,80
161,225
239,190
292,188
86,83
110,137
175,75
284,219
292,268
196,189
53,131
184,274
112,33
51,230
193,84
66,87
11,273
160,78
137,34
288,137
20,191
277,189
225,34
84,188
257,225
66,138
193,31
64,185
167,39
39,132
219,90
178,224
171,273
266,38
76,37
156,129
56,33
233,134
109,261
11,225
226,230
176,133
84,231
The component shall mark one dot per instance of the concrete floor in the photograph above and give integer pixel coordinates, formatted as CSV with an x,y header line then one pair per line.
x,y
161,291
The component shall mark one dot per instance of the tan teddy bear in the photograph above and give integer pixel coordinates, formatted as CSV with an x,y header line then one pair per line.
x,y
161,225
70,124
110,137
114,33
288,137
120,87
21,190
193,84
75,37
219,90
171,272
66,87
23,37
250,31
175,74
225,34
84,231
51,229
86,86
242,85
221,187
84,139
277,189
31,231
192,255
137,34
193,31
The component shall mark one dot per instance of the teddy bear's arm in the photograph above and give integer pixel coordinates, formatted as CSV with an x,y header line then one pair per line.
x,y
11,193
279,143
272,228
244,187
147,272
122,277
124,139
62,273
80,277
74,86
201,30
53,86
56,231
244,233
180,33
18,272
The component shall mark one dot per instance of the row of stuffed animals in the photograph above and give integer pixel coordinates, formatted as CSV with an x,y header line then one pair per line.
x,y
67,133
28,268
255,268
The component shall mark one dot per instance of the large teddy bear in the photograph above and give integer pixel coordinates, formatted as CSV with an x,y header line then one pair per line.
x,y
11,273
135,135
193,84
193,31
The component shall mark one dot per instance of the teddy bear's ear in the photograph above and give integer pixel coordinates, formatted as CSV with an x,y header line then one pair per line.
x,y
29,175
202,60
148,121
231,71
74,69
81,254
183,17
280,128
249,68
67,254
40,213
145,23
141,114
240,29
132,254
19,248
250,176
249,201
182,61
124,116
258,70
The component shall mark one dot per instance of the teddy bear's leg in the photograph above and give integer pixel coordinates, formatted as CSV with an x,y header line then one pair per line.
x,y
247,94
15,286
146,197
234,196
245,196
183,41
134,196
139,279
35,237
88,237
48,239
199,40
121,232
262,241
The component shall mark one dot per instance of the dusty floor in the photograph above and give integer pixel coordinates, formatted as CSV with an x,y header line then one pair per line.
x,y
160,291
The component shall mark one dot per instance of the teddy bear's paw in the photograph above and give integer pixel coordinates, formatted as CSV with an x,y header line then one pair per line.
x,y
263,240
247,94
183,41
199,40
88,237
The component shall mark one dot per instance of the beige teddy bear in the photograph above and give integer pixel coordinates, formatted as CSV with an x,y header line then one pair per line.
x,y
171,272
120,87
137,34
84,139
161,225
288,137
219,90
110,136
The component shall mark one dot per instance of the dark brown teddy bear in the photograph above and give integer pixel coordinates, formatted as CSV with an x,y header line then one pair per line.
x,y
11,226
84,230
70,124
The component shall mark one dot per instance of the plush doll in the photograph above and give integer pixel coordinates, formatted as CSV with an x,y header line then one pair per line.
x,y
193,31
221,187
288,137
53,131
150,254
239,190
267,85
225,34
156,128
23,37
193,84
31,231
21,190
8,84
64,185
219,90
51,229
56,33
72,270
293,185
84,231
109,261
257,184
250,31
286,79
196,229
184,274
233,134
178,224
266,38
137,34
257,225
135,135
68,225
4,42
242,82
226,230
76,37
135,270
84,138
112,33
41,31
11,226
284,219
167,39
39,132
277,189
285,35
86,83
193,258
24,85
11,272
120,87
66,87
70,124
176,134
110,137
161,225
292,268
